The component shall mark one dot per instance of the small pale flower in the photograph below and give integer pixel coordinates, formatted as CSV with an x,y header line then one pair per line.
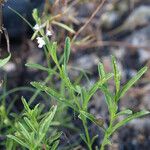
x,y
48,33
36,27
40,42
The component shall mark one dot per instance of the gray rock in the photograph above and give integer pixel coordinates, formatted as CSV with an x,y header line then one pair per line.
x,y
87,62
139,17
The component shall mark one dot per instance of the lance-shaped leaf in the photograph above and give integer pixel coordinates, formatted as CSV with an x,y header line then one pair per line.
x,y
63,26
36,66
46,122
53,93
29,124
25,104
23,131
129,118
40,67
131,82
124,112
55,145
66,79
67,51
108,96
93,139
117,74
54,53
4,61
83,138
35,15
83,97
55,137
98,121
101,70
104,88
16,139
96,86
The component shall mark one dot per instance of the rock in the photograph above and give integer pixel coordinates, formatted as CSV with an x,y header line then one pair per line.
x,y
87,62
9,67
140,37
113,14
133,138
108,19
145,100
89,7
140,123
139,17
136,56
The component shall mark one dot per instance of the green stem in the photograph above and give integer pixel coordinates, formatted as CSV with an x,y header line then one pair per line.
x,y
45,81
87,135
104,142
107,134
47,58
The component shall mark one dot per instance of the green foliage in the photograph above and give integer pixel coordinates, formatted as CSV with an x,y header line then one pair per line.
x,y
113,99
78,96
33,128
32,132
4,61
131,82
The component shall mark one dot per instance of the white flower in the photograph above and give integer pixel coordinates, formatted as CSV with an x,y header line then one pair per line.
x,y
36,27
48,33
40,42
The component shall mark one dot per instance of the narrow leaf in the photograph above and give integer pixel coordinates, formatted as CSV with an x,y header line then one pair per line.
x,y
25,104
129,118
4,61
124,112
67,51
66,79
97,85
24,131
93,139
99,121
45,124
101,70
54,54
83,138
53,93
35,15
55,145
40,67
30,125
105,90
55,137
131,82
64,26
18,140
117,75
108,95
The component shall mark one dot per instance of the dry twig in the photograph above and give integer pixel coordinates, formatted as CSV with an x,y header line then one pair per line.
x,y
89,20
110,43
